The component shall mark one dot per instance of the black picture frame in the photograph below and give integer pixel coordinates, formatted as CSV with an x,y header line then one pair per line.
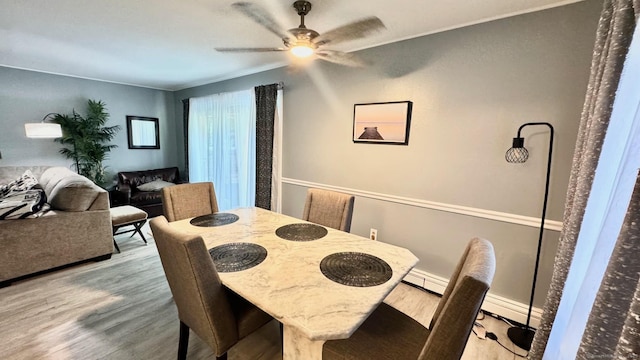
x,y
382,123
143,132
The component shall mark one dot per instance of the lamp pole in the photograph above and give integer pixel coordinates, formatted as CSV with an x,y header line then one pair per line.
x,y
523,337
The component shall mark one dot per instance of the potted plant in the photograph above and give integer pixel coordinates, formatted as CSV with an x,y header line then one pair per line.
x,y
85,140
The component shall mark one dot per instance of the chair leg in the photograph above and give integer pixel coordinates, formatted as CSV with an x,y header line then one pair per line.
x,y
222,357
183,344
282,338
114,231
138,227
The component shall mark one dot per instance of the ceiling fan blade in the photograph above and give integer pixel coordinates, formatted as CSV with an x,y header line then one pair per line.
x,y
240,50
341,58
262,17
351,31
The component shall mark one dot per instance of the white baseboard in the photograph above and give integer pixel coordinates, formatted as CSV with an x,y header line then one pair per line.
x,y
492,303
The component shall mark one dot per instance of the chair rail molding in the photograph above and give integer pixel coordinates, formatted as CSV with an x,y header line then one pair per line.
x,y
451,208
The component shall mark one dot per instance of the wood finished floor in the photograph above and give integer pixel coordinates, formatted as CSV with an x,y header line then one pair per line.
x,y
122,309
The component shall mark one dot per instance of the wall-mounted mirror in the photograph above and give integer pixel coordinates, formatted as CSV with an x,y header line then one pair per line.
x,y
143,132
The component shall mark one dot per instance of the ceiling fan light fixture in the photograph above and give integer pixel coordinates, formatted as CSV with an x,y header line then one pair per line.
x,y
303,43
302,51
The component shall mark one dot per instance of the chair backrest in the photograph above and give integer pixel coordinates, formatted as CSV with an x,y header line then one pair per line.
x,y
195,285
189,200
458,308
329,208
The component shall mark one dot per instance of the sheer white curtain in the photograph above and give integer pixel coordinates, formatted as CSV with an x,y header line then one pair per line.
x,y
222,143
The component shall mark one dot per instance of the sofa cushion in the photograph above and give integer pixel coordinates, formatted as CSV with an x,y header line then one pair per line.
x,y
67,190
24,204
154,185
10,173
133,179
146,197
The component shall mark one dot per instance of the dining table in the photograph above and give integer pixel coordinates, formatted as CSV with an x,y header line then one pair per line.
x,y
319,283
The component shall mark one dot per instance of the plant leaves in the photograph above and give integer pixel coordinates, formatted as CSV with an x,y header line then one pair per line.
x,y
84,139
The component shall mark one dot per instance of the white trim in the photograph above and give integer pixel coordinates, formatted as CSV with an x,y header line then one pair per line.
x,y
456,209
86,78
495,304
276,186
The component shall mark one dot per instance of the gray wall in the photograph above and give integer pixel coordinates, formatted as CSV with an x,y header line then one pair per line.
x,y
27,96
471,88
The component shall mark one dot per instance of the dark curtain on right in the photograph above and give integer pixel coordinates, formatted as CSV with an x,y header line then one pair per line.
x,y
185,122
613,37
266,96
613,328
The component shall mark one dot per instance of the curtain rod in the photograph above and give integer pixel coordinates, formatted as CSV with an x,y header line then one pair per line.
x,y
280,87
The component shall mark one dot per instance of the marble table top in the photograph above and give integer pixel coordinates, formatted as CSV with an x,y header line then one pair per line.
x,y
289,285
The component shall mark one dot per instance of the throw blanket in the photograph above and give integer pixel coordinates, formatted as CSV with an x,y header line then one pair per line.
x,y
22,198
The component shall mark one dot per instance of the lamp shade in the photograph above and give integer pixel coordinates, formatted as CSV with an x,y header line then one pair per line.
x,y
43,130
516,155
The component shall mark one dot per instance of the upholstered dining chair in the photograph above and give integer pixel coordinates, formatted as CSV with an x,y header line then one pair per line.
x,y
390,334
217,315
329,208
189,200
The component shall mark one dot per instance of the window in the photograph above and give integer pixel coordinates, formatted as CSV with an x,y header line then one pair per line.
x,y
222,138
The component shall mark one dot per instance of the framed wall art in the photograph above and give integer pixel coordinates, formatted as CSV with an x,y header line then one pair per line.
x,y
143,132
382,123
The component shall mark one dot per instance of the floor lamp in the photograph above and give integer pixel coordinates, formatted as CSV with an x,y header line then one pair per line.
x,y
523,336
43,129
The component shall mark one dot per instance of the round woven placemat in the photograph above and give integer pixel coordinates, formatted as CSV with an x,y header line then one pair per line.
x,y
216,219
237,256
355,269
301,232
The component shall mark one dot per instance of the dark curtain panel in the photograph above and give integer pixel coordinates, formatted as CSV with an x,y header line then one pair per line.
x,y
185,122
613,329
266,96
613,37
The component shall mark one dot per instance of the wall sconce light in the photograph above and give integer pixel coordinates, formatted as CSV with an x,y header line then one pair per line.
x,y
43,130
523,336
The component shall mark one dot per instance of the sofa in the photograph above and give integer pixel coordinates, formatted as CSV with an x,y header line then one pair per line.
x,y
142,189
76,228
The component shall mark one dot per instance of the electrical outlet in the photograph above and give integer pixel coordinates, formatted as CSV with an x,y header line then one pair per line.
x,y
373,234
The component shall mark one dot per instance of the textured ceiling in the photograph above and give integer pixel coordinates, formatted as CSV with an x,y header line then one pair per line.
x,y
169,44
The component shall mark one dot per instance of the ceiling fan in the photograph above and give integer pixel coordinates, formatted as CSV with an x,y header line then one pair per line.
x,y
303,42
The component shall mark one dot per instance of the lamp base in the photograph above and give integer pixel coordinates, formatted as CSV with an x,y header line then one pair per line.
x,y
521,337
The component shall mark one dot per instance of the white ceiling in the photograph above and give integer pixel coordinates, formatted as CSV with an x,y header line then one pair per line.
x,y
169,44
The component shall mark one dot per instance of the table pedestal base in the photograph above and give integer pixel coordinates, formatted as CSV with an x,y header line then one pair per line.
x,y
297,346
